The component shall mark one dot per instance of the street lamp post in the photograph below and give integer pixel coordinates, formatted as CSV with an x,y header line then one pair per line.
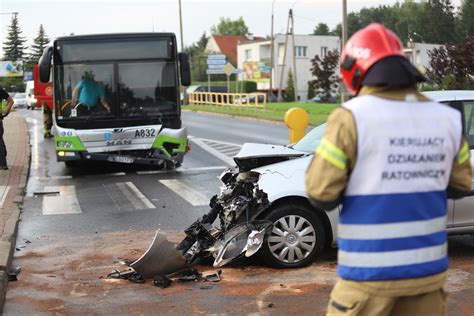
x,y
272,57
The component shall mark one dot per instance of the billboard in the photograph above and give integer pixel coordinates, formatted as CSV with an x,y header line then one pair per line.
x,y
11,68
256,71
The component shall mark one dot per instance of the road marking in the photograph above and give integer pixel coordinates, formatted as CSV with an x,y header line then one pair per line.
x,y
4,189
64,203
114,174
186,191
182,170
204,144
53,178
126,196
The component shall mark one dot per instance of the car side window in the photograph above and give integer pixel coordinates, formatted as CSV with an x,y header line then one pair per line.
x,y
469,121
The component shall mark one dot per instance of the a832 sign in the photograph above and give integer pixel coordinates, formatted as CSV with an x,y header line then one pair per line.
x,y
145,132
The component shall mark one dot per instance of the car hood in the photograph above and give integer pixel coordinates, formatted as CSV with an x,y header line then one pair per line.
x,y
253,155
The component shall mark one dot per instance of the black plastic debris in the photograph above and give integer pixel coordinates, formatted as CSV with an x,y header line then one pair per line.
x,y
270,305
127,275
13,273
190,275
206,287
215,277
162,281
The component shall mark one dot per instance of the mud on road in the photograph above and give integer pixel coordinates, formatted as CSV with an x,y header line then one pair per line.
x,y
65,275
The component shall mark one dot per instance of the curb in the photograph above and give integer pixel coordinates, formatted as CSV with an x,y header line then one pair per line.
x,y
8,238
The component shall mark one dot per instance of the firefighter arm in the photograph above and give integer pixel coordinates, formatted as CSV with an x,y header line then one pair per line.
x,y
328,173
9,106
460,182
75,93
105,104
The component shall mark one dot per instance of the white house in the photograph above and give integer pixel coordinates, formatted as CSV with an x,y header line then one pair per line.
x,y
254,59
418,54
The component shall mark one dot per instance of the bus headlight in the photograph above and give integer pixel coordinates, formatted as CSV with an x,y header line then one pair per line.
x,y
65,144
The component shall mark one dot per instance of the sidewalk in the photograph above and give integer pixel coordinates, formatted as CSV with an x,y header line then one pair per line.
x,y
12,190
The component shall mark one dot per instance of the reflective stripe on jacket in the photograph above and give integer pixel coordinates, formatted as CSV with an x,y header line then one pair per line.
x,y
393,220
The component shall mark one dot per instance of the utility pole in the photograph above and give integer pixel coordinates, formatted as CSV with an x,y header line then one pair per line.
x,y
185,98
284,57
343,40
272,56
295,81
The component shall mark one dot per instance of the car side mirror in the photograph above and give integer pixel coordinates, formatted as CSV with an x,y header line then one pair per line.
x,y
185,69
45,64
29,94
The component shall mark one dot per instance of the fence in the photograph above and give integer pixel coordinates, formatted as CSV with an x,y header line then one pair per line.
x,y
241,100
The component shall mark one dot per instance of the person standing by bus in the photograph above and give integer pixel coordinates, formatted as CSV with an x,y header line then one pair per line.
x,y
392,157
3,149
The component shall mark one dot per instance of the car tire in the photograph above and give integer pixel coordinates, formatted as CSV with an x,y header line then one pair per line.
x,y
296,239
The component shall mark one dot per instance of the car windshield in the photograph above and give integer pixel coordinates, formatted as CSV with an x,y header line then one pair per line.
x,y
311,140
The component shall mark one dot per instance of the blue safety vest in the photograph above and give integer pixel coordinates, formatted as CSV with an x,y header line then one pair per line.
x,y
393,222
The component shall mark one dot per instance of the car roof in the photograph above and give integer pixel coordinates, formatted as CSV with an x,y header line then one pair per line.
x,y
450,95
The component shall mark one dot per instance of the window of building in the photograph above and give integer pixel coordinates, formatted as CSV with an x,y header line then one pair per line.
x,y
300,51
324,51
248,54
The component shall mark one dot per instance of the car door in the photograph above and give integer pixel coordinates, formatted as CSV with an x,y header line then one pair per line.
x,y
464,208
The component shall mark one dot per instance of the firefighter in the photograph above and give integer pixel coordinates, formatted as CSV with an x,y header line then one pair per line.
x,y
47,120
392,157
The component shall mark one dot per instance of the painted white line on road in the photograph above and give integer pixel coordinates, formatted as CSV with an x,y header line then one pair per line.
x,y
65,203
186,191
53,178
4,189
114,174
229,161
181,170
143,202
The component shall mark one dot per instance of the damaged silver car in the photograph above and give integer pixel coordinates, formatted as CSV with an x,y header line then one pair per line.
x,y
262,209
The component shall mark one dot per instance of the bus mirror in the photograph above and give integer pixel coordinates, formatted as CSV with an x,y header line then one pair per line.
x,y
45,64
185,70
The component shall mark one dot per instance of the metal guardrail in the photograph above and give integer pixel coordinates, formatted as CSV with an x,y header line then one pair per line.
x,y
241,100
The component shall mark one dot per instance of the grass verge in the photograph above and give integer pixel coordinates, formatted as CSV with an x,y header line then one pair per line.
x,y
318,112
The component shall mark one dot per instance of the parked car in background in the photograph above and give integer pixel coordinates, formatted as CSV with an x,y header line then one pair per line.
x,y
202,88
19,99
30,95
318,97
300,232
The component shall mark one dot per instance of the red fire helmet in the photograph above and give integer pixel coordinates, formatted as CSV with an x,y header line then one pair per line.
x,y
365,48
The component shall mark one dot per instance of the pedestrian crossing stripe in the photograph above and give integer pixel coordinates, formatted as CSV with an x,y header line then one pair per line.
x,y
65,202
125,196
186,191
4,189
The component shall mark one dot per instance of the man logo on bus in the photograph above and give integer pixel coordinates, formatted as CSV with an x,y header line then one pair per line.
x,y
108,136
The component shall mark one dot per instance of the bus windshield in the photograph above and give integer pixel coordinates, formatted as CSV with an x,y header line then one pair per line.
x,y
107,85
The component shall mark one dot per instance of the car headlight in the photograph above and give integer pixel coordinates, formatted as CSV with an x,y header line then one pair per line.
x,y
65,144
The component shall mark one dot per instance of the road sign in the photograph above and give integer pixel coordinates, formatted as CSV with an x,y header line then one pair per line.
x,y
217,62
221,56
218,71
229,69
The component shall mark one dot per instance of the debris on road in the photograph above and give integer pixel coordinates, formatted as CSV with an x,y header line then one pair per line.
x,y
206,287
13,273
215,277
190,275
162,281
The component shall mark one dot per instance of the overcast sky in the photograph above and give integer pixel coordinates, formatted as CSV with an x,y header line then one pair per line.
x,y
62,17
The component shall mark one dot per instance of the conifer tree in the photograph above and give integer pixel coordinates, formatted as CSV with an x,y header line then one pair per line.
x,y
40,42
14,47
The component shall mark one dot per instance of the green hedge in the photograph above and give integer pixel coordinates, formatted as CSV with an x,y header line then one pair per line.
x,y
243,86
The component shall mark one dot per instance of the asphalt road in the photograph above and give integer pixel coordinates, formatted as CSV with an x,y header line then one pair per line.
x,y
78,223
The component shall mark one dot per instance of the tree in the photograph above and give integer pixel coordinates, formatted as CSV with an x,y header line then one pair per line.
x,y
13,46
40,42
290,94
197,56
451,66
226,26
325,72
321,29
465,20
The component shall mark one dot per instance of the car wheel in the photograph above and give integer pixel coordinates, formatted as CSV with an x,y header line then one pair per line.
x,y
297,237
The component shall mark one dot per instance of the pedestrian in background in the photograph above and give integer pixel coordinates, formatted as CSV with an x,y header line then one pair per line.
x,y
4,112
392,157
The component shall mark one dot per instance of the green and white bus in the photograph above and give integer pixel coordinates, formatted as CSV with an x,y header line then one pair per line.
x,y
117,98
